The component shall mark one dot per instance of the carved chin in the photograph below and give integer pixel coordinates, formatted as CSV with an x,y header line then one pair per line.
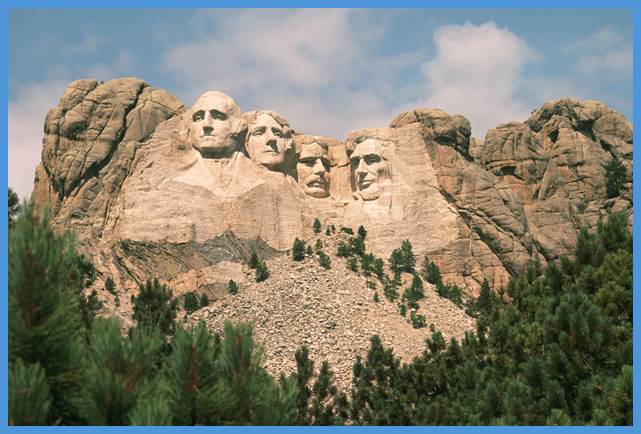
x,y
316,191
372,192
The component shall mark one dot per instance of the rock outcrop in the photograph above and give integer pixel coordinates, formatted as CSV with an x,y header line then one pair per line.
x,y
154,189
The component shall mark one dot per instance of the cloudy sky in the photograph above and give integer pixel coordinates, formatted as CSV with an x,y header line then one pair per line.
x,y
328,71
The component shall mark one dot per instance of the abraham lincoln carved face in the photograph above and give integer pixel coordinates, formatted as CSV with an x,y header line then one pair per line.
x,y
370,172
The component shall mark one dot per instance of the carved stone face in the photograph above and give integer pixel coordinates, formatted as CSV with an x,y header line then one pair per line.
x,y
215,119
369,169
312,169
267,141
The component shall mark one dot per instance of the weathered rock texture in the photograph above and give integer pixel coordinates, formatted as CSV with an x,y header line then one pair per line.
x,y
117,169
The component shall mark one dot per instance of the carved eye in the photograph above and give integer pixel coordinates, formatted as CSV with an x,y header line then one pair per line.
x,y
277,132
354,162
198,116
218,115
371,159
258,133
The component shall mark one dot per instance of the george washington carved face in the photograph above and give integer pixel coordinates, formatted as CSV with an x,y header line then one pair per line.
x,y
313,169
369,170
215,125
268,138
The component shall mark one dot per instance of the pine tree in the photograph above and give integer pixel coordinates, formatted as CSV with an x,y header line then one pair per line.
x,y
317,226
253,260
13,206
352,264
45,326
262,273
362,233
190,302
29,397
367,263
155,307
298,250
378,268
110,286
118,370
204,300
232,287
189,376
309,251
615,177
304,373
328,232
325,262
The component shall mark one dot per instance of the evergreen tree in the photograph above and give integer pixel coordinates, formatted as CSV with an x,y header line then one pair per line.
x,y
328,232
362,233
110,286
190,302
318,247
298,250
352,264
304,374
615,177
155,307
45,324
14,206
325,262
253,260
309,251
204,300
262,273
402,259
367,264
29,397
317,226
378,268
118,370
232,287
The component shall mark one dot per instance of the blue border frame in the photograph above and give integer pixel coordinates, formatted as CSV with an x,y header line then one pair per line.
x,y
128,4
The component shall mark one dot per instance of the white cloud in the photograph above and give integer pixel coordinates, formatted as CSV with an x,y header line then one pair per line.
x,y
476,72
604,38
26,121
605,54
304,64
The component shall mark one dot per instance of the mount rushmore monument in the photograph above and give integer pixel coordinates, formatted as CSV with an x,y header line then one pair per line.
x,y
153,188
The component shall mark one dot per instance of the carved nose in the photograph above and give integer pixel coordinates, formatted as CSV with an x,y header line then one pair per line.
x,y
318,167
208,130
361,167
271,143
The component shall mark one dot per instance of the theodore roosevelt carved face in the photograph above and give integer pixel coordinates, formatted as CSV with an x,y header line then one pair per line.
x,y
215,125
313,169
268,138
369,170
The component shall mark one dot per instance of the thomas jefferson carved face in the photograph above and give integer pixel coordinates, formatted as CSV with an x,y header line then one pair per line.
x,y
369,170
312,169
267,141
215,125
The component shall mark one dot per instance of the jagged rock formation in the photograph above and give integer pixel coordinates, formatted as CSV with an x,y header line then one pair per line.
x,y
152,188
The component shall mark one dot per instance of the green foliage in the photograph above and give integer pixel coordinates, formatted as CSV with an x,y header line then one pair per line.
x,y
298,250
155,306
402,309
117,371
431,272
402,259
378,268
417,320
414,293
325,262
615,177
390,287
348,231
318,247
29,397
317,226
191,302
376,298
204,300
328,232
232,287
46,325
13,206
253,260
117,301
367,262
110,286
362,233
352,264
262,273
309,251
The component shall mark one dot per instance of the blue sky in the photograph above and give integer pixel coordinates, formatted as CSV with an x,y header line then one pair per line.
x,y
327,71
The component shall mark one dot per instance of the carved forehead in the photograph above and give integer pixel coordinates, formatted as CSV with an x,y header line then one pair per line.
x,y
265,117
214,100
367,147
313,150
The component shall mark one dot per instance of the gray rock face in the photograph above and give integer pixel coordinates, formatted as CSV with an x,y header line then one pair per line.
x,y
154,189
